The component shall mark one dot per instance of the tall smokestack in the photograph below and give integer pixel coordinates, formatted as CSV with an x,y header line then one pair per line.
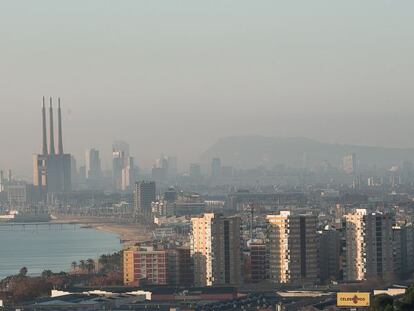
x,y
60,138
51,135
44,145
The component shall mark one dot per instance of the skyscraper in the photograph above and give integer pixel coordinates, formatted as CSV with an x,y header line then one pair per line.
x,y
195,171
120,156
144,195
92,164
215,249
292,248
369,245
216,168
128,174
349,164
51,170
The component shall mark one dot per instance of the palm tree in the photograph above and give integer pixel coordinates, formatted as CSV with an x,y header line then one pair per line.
x,y
74,265
90,265
23,271
82,265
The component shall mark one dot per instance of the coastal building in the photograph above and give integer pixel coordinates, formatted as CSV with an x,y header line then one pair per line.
x,y
215,249
369,245
292,248
148,265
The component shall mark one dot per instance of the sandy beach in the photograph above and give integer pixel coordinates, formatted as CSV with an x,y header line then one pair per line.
x,y
129,233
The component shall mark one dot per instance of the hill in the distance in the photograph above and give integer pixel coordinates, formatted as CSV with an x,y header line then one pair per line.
x,y
254,151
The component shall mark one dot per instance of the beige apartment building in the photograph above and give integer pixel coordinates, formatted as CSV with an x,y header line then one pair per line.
x,y
369,245
215,249
292,248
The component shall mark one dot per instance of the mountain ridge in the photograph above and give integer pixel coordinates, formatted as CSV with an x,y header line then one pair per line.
x,y
251,151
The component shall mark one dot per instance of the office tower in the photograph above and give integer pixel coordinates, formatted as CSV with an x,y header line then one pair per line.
x,y
216,168
122,146
160,171
195,171
1,181
292,248
144,195
369,245
120,156
349,164
128,174
403,238
92,165
170,195
118,162
329,250
172,166
215,249
51,170
151,266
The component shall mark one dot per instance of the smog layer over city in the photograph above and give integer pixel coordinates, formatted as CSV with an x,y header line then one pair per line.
x,y
206,155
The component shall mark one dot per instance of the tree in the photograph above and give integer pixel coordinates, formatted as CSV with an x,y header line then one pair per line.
x,y
90,265
382,303
82,265
74,265
23,272
407,303
47,274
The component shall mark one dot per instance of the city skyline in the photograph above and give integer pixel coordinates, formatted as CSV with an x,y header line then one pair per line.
x,y
206,155
214,69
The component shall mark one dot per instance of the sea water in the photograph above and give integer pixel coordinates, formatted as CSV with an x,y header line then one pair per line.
x,y
40,247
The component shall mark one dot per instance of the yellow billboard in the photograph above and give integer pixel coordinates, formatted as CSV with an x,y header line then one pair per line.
x,y
353,300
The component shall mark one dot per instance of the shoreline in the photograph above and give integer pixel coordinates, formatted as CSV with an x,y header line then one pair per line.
x,y
129,233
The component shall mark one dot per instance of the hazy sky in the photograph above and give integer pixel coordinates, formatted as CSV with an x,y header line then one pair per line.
x,y
174,76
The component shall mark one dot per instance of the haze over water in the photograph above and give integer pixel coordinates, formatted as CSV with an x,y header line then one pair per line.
x,y
50,248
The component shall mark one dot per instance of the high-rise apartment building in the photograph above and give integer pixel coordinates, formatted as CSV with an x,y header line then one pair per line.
x,y
215,249
292,248
329,251
51,168
144,195
349,163
369,245
403,251
258,261
152,266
